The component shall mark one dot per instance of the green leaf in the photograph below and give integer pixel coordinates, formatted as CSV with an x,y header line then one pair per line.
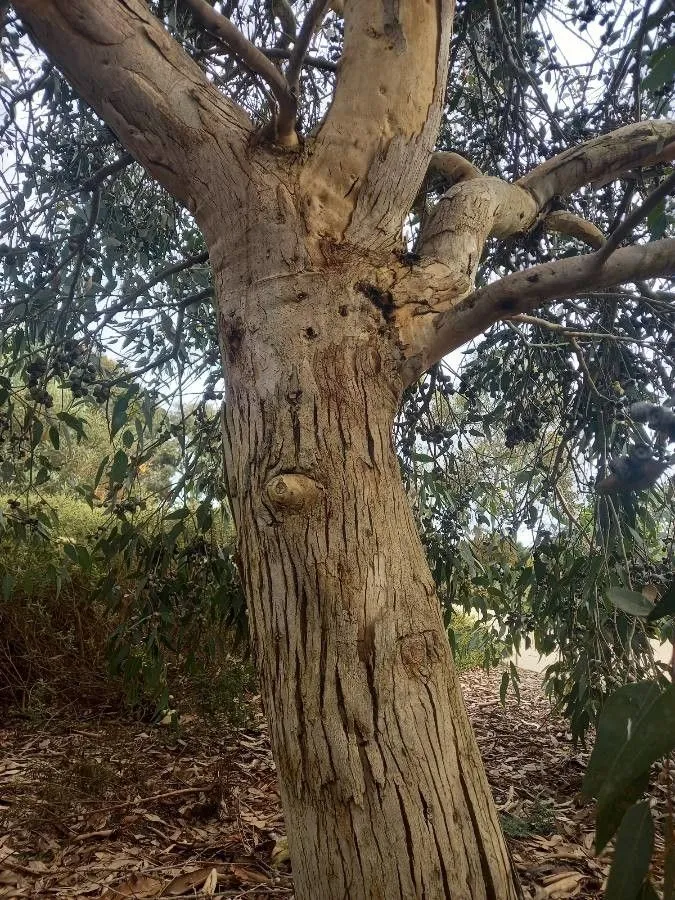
x,y
615,725
182,513
503,687
73,422
662,66
637,727
42,476
54,437
120,467
100,471
119,414
610,810
630,601
633,852
204,515
71,551
515,680
36,437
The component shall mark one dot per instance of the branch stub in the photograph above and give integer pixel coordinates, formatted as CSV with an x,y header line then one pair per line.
x,y
293,493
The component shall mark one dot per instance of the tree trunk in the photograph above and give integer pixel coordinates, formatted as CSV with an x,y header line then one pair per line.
x,y
383,788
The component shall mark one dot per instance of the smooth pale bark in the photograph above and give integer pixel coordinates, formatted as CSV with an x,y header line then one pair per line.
x,y
384,792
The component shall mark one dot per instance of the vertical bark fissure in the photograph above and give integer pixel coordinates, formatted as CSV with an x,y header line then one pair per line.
x,y
408,840
490,889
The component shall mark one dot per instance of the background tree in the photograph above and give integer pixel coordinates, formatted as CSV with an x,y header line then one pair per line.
x,y
325,319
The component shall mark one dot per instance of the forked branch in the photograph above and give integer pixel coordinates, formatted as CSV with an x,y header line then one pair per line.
x,y
310,23
436,311
370,156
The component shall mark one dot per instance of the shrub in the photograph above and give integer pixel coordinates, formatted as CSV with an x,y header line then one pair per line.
x,y
86,595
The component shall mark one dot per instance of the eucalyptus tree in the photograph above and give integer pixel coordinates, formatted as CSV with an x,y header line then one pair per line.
x,y
301,147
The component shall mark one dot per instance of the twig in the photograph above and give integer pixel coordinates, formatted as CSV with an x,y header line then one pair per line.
x,y
255,60
572,333
317,62
179,792
309,26
92,835
100,176
518,67
624,228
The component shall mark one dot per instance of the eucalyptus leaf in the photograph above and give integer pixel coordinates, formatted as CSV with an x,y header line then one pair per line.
x,y
630,602
632,854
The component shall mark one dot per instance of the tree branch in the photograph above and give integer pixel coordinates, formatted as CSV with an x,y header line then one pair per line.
x,y
121,60
371,154
568,223
309,25
624,228
452,167
524,291
257,62
602,159
316,62
474,209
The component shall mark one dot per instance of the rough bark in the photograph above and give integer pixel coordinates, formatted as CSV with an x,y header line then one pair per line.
x,y
384,792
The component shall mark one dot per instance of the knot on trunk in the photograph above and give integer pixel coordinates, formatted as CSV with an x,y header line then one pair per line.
x,y
419,654
293,493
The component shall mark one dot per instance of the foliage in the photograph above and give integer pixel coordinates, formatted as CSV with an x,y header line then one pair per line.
x,y
472,644
540,820
635,730
71,604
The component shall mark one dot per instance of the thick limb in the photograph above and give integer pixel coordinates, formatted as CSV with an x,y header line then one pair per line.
x,y
122,61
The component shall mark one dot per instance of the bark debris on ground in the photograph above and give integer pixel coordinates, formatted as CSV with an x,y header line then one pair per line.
x,y
102,807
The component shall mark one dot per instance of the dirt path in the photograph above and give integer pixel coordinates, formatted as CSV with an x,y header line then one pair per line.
x,y
98,807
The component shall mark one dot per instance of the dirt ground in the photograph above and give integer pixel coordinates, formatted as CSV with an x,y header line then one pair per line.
x,y
94,806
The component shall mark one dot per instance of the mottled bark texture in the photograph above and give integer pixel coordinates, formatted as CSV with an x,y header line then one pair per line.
x,y
322,324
